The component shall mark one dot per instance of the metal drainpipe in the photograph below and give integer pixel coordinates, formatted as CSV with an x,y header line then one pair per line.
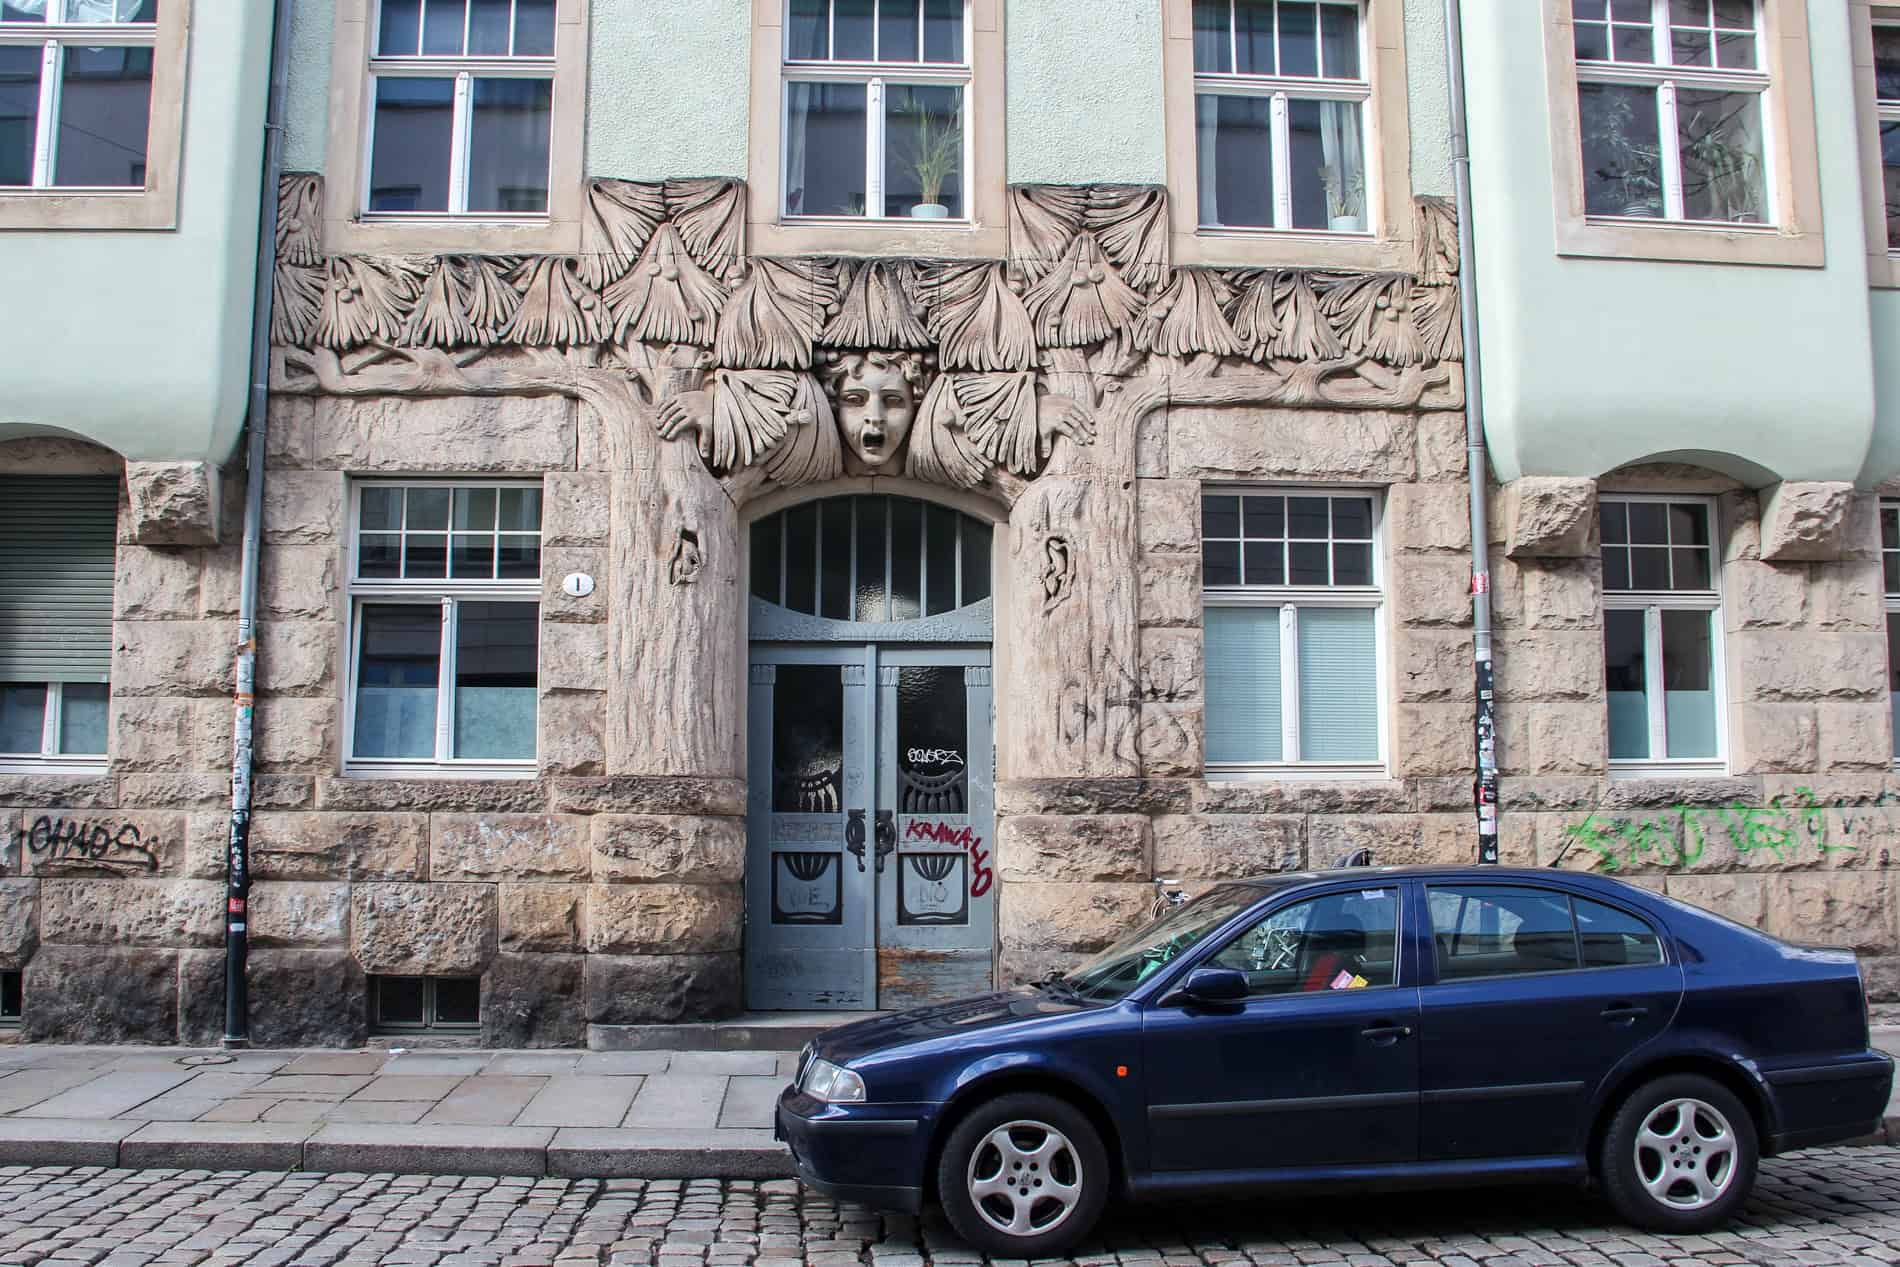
x,y
1485,787
237,866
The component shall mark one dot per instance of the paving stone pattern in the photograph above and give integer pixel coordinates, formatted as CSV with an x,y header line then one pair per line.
x,y
1840,1208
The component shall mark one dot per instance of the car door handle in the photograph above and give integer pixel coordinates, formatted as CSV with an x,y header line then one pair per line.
x,y
1386,1035
1623,1014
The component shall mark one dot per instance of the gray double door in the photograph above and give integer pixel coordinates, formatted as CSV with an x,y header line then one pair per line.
x,y
871,873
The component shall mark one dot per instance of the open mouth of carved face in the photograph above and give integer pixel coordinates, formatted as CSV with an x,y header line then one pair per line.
x,y
872,440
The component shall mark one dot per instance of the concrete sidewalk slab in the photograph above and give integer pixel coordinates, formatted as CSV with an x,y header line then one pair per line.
x,y
51,1141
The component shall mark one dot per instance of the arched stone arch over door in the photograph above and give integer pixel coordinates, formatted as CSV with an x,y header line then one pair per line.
x,y
870,880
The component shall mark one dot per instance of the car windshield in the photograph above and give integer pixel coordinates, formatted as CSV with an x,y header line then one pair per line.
x,y
1110,975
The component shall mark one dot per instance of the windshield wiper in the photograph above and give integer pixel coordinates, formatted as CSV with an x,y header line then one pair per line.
x,y
1056,985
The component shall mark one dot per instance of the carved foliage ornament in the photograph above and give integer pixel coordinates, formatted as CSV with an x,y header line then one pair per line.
x,y
808,368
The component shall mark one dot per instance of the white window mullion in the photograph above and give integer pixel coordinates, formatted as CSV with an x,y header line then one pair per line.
x,y
46,132
1289,683
459,144
49,722
1653,683
445,685
874,149
1671,154
1282,164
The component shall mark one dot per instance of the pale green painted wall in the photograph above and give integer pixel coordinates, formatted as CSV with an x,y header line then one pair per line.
x,y
1085,99
1591,363
668,88
141,341
1883,457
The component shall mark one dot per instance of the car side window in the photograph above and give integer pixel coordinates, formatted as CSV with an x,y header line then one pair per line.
x,y
1341,941
1486,930
1613,939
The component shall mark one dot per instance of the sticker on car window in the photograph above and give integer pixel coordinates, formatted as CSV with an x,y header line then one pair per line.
x,y
1372,895
1349,981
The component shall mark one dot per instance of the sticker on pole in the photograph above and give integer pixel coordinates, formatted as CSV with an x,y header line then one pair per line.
x,y
1480,582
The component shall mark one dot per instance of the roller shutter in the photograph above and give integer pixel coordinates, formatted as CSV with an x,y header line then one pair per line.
x,y
58,538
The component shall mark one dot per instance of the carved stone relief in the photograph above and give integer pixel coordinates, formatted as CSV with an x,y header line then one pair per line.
x,y
799,370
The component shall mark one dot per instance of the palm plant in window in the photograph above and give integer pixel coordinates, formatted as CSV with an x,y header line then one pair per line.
x,y
935,153
1726,163
1345,199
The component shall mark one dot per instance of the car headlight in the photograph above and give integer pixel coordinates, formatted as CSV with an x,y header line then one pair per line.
x,y
834,1084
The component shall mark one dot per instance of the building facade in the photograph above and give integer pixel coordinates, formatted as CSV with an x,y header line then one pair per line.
x,y
819,504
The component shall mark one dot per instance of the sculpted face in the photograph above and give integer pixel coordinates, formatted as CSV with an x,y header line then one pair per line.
x,y
875,410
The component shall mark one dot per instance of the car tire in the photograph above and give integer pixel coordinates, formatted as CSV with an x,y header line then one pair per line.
x,y
1023,1176
1680,1155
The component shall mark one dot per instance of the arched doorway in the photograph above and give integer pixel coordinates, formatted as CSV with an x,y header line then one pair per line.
x,y
869,874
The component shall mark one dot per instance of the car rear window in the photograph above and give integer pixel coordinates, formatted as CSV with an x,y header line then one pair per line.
x,y
1496,930
1611,938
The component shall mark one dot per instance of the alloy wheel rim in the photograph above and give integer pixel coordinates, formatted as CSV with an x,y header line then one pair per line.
x,y
1685,1154
1024,1178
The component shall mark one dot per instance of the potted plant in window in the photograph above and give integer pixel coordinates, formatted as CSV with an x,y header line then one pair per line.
x,y
1632,168
936,152
1345,200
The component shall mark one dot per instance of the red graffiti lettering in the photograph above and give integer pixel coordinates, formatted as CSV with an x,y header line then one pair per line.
x,y
981,877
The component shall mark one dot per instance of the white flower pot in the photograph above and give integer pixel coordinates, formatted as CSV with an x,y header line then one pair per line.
x,y
930,211
1347,224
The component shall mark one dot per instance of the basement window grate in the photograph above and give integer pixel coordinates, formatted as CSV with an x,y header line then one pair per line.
x,y
407,1004
10,998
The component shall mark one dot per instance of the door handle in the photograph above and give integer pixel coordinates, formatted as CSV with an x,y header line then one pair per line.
x,y
854,836
1624,1014
1386,1035
886,838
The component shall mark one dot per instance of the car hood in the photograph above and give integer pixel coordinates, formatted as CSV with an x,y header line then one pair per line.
x,y
958,1019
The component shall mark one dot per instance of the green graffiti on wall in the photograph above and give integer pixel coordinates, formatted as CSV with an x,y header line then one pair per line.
x,y
1786,827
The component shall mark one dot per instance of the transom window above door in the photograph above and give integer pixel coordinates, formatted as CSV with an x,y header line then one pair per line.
x,y
1670,107
1280,95
461,108
871,559
876,109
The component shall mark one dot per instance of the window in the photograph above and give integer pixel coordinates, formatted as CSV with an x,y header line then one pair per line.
x,y
875,119
1280,98
58,546
1292,616
1887,110
76,92
463,107
1890,571
1661,638
1342,941
1493,930
11,999
406,1003
1669,97
445,612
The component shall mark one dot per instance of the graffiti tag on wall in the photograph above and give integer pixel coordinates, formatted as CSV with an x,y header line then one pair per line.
x,y
1786,829
95,844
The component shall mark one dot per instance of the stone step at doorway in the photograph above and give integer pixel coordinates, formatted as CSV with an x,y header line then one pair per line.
x,y
750,1031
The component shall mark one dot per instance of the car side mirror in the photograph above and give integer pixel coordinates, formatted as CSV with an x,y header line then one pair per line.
x,y
1212,987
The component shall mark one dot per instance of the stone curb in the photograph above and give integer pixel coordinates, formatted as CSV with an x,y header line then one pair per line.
x,y
568,1153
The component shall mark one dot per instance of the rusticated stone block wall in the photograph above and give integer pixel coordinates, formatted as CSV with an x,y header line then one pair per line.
x,y
1799,839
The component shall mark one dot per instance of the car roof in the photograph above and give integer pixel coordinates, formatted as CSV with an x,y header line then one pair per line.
x,y
1471,871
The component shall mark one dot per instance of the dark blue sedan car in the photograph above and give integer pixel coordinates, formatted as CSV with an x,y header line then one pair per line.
x,y
1390,1026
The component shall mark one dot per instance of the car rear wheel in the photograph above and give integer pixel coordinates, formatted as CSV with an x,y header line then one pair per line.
x,y
1680,1155
1023,1176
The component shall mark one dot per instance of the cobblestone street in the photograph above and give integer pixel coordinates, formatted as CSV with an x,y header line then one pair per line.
x,y
1824,1207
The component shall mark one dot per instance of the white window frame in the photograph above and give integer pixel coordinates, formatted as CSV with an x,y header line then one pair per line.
x,y
464,70
875,75
49,758
52,36
1652,603
1289,599
446,593
1666,79
1280,89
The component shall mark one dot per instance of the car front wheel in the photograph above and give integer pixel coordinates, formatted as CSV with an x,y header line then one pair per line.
x,y
1680,1155
1023,1176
